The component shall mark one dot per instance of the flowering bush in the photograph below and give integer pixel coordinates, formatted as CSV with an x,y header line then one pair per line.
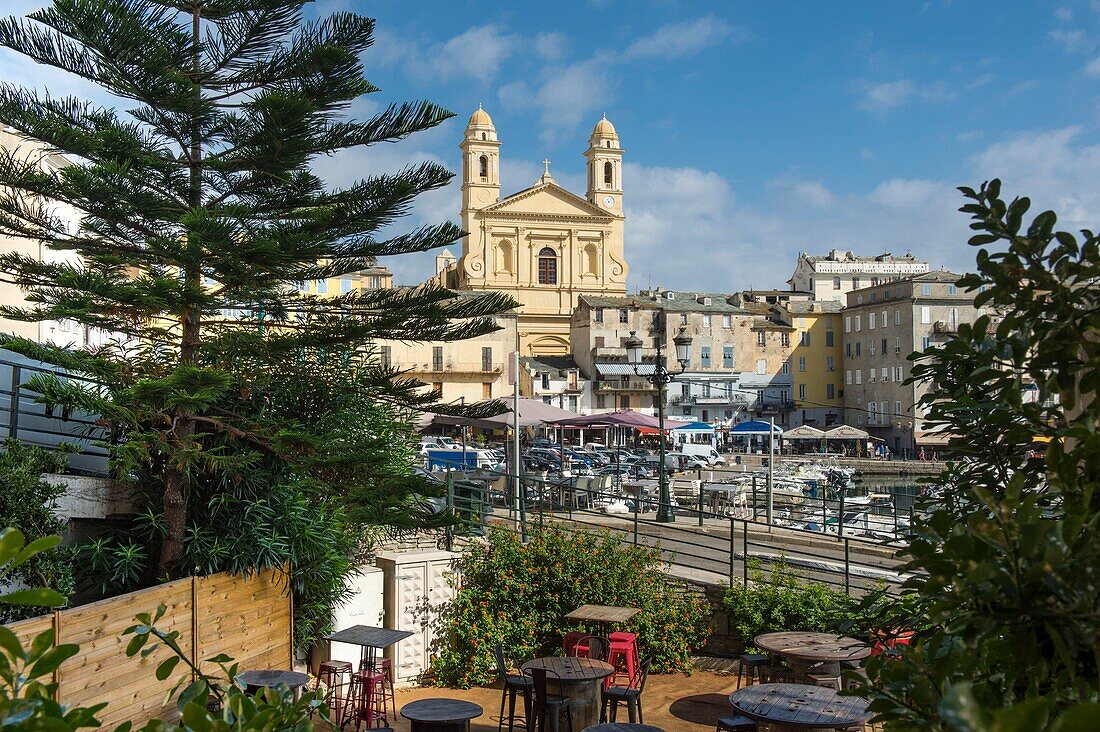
x,y
518,594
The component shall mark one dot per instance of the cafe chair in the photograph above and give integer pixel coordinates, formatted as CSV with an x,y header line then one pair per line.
x,y
735,724
591,646
630,695
546,708
512,686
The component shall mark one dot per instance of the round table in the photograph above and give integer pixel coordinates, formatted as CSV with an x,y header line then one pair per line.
x,y
440,715
797,706
804,649
580,679
253,681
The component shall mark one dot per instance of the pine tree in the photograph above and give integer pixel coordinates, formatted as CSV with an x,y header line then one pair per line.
x,y
197,200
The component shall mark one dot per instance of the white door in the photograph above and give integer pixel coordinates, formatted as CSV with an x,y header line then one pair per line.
x,y
411,582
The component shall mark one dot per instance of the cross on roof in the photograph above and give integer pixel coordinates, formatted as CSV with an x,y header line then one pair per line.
x,y
546,166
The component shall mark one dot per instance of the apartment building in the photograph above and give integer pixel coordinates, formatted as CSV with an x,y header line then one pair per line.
x,y
740,356
556,380
883,325
834,275
816,360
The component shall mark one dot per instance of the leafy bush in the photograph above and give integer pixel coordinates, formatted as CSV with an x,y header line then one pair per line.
x,y
27,503
518,594
783,602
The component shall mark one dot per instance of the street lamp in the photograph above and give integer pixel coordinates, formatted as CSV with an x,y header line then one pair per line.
x,y
661,377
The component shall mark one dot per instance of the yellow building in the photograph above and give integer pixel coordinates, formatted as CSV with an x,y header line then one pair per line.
x,y
544,245
816,360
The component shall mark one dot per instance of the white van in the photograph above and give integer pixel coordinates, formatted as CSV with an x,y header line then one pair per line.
x,y
706,452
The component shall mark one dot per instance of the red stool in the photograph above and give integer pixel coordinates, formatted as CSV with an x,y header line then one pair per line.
x,y
385,690
335,676
624,657
570,643
366,703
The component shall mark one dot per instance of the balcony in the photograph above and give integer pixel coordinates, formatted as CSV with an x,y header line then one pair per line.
x,y
458,368
770,407
634,385
942,328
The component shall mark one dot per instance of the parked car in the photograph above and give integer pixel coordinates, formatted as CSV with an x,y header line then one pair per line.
x,y
706,452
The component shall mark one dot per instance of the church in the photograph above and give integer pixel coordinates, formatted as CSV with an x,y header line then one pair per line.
x,y
545,246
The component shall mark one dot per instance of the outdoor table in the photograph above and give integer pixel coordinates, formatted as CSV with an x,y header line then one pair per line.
x,y
623,727
440,715
369,639
580,681
804,649
253,681
797,706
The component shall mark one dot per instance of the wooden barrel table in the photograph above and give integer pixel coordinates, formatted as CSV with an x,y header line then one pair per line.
x,y
580,681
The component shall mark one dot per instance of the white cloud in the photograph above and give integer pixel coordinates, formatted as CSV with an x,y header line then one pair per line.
x,y
904,193
563,95
1063,14
1069,40
681,39
883,97
550,46
478,53
815,194
1092,68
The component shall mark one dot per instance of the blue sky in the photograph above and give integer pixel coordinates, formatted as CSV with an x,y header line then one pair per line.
x,y
754,130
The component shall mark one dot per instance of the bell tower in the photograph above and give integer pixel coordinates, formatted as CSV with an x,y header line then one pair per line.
x,y
605,168
480,162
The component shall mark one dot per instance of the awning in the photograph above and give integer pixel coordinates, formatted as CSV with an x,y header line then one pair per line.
x,y
621,418
755,427
431,419
695,427
804,432
845,432
932,438
532,412
623,369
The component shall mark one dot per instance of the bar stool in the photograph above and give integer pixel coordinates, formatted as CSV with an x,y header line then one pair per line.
x,y
735,724
570,642
751,667
364,699
385,667
623,655
335,676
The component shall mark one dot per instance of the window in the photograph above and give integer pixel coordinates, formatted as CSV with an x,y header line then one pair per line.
x,y
624,401
848,350
483,166
802,363
883,319
836,283
855,283
727,321
704,356
685,390
686,411
830,391
926,290
804,338
706,389
801,391
885,346
858,328
954,318
785,340
859,299
952,290
322,287
572,403
385,357
727,357
871,349
847,323
487,358
784,396
897,409
437,387
830,364
600,342
345,285
437,358
599,315
859,347
761,366
925,315
925,343
683,318
548,267
828,339
871,376
761,339
898,374
897,316
785,369
848,377
872,413
624,315
859,376
601,401
609,175
487,390
884,375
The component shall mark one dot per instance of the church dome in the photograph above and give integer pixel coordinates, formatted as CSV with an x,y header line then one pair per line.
x,y
604,128
480,118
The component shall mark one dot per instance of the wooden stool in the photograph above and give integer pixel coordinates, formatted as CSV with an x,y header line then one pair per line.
x,y
335,675
826,679
735,724
624,657
751,667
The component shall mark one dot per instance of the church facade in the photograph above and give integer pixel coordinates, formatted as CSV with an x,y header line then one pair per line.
x,y
544,245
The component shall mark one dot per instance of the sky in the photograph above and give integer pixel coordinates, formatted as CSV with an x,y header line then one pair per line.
x,y
753,130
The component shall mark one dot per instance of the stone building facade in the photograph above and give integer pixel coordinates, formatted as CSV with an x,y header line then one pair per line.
x,y
834,275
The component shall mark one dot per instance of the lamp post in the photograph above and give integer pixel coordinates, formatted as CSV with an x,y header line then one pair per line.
x,y
660,378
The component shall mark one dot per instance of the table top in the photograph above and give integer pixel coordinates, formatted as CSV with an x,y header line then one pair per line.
x,y
806,646
603,613
623,727
571,669
440,710
366,635
800,705
272,678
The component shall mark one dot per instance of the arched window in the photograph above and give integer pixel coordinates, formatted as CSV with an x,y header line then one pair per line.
x,y
484,136
607,143
483,164
548,267
608,174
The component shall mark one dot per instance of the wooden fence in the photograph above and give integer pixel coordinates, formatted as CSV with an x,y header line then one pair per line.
x,y
248,618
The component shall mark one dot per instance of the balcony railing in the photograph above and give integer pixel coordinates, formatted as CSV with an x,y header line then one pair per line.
x,y
454,367
943,328
626,386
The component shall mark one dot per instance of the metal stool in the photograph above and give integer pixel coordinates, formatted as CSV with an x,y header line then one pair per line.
x,y
735,724
752,665
385,667
336,676
363,700
624,657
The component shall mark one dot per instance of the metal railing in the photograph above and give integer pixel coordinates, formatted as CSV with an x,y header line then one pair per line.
x,y
24,418
702,545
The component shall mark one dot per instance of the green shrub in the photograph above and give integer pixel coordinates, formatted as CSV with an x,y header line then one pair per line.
x,y
783,602
518,594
